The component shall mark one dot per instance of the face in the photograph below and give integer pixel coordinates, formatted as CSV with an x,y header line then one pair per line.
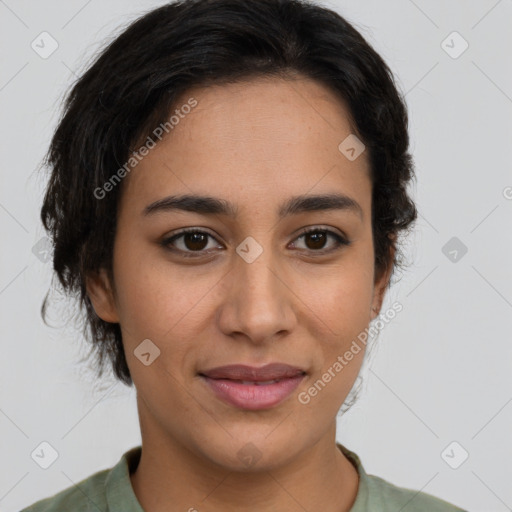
x,y
249,287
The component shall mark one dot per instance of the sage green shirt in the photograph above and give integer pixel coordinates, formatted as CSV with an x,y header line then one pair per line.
x,y
110,490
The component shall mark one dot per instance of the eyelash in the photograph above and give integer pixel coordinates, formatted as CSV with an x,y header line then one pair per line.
x,y
340,241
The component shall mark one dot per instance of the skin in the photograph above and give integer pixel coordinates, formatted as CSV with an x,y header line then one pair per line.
x,y
256,144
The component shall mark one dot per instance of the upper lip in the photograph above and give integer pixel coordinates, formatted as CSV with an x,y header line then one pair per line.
x,y
243,372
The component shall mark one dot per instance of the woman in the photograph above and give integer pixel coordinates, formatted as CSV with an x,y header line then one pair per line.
x,y
228,187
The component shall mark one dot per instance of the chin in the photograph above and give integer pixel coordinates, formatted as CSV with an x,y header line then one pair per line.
x,y
251,449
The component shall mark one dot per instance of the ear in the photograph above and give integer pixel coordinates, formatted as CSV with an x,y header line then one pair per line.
x,y
100,293
381,284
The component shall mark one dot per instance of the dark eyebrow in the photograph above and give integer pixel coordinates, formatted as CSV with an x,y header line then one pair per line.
x,y
214,206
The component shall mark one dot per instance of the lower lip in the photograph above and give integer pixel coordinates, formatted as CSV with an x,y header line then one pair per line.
x,y
253,397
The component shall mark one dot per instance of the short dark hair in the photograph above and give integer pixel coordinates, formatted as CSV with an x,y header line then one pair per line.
x,y
136,80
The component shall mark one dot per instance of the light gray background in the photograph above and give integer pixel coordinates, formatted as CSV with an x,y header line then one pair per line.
x,y
441,370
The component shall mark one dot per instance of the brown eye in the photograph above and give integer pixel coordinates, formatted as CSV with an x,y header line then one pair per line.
x,y
316,239
188,242
195,241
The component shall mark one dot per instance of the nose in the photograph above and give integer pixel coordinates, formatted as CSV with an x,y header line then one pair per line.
x,y
258,302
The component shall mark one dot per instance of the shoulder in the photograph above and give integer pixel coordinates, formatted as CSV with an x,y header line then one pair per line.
x,y
86,495
381,492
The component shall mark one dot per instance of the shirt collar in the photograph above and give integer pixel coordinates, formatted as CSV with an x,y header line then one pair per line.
x,y
118,486
361,503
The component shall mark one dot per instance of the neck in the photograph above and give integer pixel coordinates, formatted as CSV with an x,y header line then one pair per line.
x,y
320,477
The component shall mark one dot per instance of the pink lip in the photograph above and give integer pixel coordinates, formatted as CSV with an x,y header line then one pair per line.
x,y
227,382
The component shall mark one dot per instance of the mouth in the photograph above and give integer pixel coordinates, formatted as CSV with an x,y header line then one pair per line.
x,y
252,388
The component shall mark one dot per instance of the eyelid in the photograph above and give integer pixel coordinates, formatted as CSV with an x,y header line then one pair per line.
x,y
318,227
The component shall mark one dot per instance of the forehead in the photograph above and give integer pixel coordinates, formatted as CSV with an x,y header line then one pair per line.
x,y
265,137
268,113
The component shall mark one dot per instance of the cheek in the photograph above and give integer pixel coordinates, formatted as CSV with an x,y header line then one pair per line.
x,y
159,300
342,296
344,310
